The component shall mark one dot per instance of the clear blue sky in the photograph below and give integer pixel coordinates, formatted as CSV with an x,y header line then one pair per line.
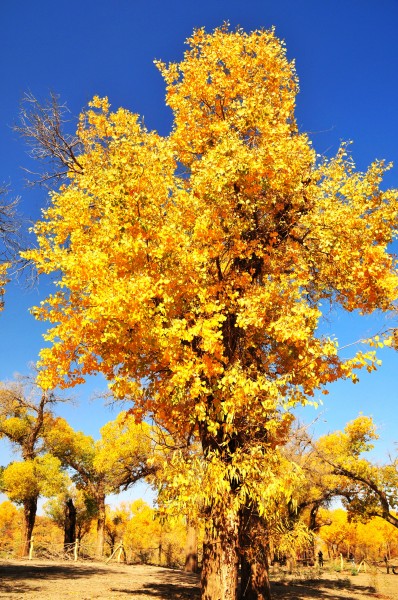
x,y
346,54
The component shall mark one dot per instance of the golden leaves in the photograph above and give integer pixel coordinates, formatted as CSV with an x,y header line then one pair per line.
x,y
191,268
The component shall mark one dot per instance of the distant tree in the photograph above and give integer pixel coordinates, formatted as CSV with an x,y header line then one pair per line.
x,y
25,412
114,462
10,526
368,489
373,540
335,466
73,511
115,525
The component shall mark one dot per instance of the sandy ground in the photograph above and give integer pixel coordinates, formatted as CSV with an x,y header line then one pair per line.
x,y
47,580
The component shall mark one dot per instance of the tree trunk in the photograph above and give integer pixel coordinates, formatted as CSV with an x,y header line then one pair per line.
x,y
191,549
70,525
29,517
254,579
100,527
254,583
221,558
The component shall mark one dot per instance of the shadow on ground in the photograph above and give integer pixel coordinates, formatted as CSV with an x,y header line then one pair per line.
x,y
321,588
16,588
175,584
24,571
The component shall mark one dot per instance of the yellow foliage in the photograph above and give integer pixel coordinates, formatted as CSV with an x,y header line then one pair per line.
x,y
10,524
148,539
372,540
191,268
31,478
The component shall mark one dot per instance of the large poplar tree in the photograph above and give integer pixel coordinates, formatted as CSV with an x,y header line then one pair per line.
x,y
192,269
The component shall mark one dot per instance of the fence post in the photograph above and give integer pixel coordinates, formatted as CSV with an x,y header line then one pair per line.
x,y
31,548
120,552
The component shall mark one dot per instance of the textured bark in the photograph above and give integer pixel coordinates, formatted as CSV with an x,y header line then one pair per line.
x,y
29,517
221,558
70,525
254,560
191,550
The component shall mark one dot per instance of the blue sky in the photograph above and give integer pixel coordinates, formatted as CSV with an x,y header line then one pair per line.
x,y
346,56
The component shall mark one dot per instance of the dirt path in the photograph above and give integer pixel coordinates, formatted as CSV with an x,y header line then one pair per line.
x,y
52,581
47,580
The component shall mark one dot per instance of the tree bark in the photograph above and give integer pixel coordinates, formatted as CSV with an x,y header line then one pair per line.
x,y
70,525
254,579
29,517
100,527
254,583
221,558
191,549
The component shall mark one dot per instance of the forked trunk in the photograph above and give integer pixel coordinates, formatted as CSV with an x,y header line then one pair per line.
x,y
221,558
29,517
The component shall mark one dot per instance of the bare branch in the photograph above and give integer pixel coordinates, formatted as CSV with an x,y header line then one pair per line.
x,y
9,226
43,128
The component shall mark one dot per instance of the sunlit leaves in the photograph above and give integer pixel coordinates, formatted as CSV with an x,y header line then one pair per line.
x,y
23,480
192,268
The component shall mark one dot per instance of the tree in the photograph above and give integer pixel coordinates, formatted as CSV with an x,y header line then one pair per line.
x,y
105,466
368,489
375,540
10,526
42,125
62,508
24,415
192,268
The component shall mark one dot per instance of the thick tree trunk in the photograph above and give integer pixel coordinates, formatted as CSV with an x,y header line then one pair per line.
x,y
254,583
191,549
221,558
70,525
100,527
29,517
254,579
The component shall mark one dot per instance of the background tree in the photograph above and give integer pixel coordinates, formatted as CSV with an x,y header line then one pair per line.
x,y
115,525
150,539
25,413
43,127
10,527
192,268
374,540
73,511
114,462
368,489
